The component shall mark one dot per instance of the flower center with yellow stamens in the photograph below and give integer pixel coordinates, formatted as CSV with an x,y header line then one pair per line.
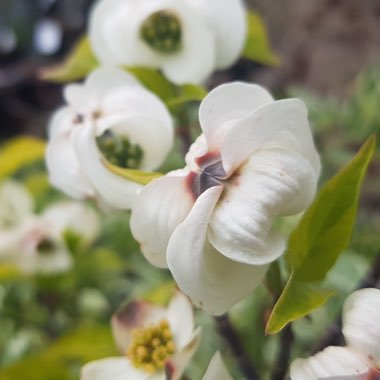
x,y
151,347
118,150
162,32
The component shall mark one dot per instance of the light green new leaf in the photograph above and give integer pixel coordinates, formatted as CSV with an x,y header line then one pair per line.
x,y
172,95
162,294
63,359
154,81
322,234
257,46
139,176
187,93
20,152
80,62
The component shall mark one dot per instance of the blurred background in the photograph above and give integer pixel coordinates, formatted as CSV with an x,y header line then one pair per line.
x,y
324,45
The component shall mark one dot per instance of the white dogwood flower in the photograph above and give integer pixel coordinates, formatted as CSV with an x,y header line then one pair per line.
x,y
156,342
212,223
15,203
36,244
360,359
187,39
110,117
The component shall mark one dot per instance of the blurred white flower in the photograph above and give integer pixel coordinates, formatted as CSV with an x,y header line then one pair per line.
x,y
36,244
15,203
360,359
157,343
187,39
212,223
75,217
216,369
35,247
109,117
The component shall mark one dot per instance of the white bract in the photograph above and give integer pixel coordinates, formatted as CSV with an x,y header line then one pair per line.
x,y
157,343
360,359
112,118
212,223
187,39
217,369
34,243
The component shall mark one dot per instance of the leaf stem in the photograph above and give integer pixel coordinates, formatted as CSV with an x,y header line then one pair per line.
x,y
230,335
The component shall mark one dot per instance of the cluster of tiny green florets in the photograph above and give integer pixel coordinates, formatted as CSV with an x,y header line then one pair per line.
x,y
119,151
151,347
162,32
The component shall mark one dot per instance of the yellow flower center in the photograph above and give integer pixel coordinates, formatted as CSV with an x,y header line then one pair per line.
x,y
162,32
151,347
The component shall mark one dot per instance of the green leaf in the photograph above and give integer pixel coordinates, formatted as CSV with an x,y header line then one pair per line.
x,y
139,176
62,361
154,81
173,96
187,93
162,294
257,46
322,234
80,62
20,152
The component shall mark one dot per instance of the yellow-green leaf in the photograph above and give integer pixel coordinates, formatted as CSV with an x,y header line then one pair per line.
x,y
139,176
162,294
19,152
63,359
173,96
9,272
257,46
80,62
187,93
305,297
154,81
322,234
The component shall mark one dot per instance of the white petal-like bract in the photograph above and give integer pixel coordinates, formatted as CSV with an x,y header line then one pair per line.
x,y
333,363
254,163
361,327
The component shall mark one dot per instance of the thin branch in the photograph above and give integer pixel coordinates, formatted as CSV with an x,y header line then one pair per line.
x,y
283,358
227,330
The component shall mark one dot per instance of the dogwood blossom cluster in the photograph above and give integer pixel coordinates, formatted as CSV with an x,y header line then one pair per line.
x,y
360,358
156,342
35,242
110,119
213,222
186,39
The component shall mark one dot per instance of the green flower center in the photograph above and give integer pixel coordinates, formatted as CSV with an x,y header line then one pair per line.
x,y
162,32
151,347
118,150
